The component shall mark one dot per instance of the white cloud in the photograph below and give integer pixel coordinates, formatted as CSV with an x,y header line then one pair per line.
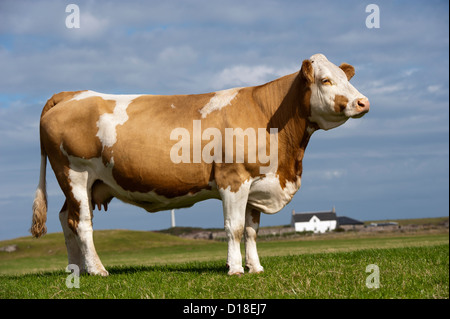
x,y
410,71
325,175
381,87
433,88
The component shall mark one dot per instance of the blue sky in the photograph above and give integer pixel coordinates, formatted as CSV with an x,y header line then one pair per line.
x,y
393,163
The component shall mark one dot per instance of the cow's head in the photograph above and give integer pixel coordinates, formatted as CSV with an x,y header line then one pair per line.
x,y
333,99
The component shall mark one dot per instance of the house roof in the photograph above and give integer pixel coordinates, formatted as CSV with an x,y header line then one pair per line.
x,y
306,217
344,220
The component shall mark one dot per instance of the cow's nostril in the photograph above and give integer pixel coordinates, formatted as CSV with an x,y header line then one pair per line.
x,y
364,104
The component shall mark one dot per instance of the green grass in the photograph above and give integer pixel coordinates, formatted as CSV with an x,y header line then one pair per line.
x,y
155,265
414,272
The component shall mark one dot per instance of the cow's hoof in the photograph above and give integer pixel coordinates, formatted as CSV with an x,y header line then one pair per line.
x,y
255,270
235,271
104,273
100,272
238,274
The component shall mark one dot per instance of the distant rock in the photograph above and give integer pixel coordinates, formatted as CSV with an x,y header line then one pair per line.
x,y
198,235
9,248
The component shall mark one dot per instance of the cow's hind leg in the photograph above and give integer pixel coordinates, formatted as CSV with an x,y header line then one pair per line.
x,y
252,217
74,254
81,207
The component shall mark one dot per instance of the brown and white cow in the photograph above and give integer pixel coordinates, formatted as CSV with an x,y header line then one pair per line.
x,y
244,146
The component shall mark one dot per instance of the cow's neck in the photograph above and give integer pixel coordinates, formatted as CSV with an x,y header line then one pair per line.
x,y
285,102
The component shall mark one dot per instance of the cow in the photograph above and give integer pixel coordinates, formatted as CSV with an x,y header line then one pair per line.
x,y
161,152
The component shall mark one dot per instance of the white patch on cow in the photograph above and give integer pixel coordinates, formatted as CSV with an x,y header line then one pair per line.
x,y
172,106
267,196
219,100
108,122
84,95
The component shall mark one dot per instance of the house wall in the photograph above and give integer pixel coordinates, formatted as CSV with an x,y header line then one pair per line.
x,y
315,225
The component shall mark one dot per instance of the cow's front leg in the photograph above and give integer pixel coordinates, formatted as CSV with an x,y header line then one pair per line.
x,y
234,204
251,230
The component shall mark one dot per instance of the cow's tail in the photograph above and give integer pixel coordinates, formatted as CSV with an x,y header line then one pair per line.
x,y
38,227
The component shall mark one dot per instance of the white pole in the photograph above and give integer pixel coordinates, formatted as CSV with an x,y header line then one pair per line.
x,y
173,217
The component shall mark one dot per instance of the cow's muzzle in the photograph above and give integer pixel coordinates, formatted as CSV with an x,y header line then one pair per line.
x,y
362,107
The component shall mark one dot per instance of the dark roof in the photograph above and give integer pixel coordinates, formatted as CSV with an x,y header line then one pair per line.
x,y
306,217
344,220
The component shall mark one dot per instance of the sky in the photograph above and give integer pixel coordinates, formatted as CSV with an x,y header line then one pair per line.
x,y
391,164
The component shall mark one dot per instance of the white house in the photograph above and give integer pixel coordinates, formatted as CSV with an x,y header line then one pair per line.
x,y
317,222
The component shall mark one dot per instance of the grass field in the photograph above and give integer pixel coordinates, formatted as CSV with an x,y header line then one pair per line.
x,y
155,265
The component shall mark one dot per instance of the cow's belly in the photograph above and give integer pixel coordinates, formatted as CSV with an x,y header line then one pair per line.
x,y
267,196
156,196
153,202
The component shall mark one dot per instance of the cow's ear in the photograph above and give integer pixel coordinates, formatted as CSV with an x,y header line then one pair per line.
x,y
348,69
307,71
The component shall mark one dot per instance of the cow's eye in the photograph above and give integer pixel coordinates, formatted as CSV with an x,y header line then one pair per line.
x,y
326,81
